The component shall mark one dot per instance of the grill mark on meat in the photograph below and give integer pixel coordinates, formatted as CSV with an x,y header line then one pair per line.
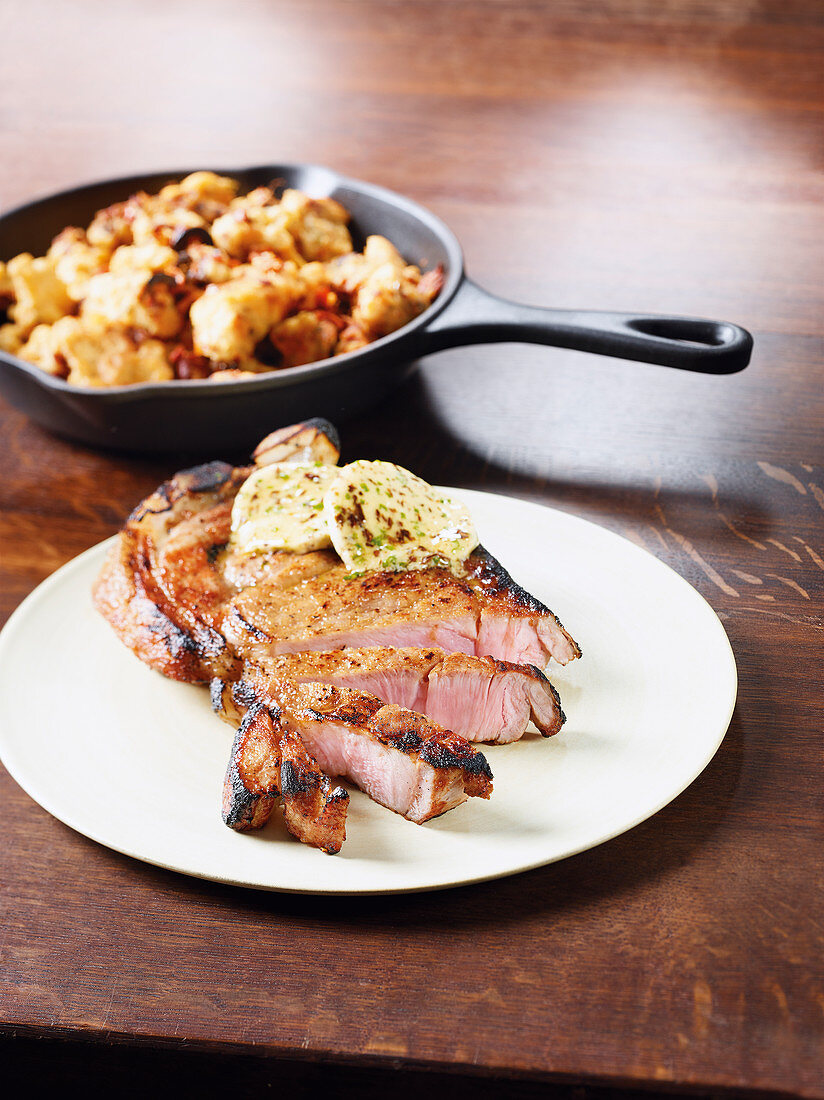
x,y
244,694
216,688
255,631
178,640
214,551
412,733
290,781
168,609
199,641
207,478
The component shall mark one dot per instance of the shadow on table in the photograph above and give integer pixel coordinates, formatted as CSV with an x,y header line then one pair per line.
x,y
600,478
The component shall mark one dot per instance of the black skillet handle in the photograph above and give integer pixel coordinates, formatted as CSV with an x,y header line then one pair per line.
x,y
476,317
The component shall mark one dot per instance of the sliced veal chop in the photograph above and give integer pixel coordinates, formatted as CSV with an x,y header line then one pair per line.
x,y
483,613
400,759
477,697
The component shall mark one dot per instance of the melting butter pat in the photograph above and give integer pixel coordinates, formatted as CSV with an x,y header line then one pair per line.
x,y
280,507
382,517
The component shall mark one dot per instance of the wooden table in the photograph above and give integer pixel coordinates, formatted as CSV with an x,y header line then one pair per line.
x,y
620,155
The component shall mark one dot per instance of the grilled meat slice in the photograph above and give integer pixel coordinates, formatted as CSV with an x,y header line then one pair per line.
x,y
314,808
250,786
478,698
268,759
399,758
485,613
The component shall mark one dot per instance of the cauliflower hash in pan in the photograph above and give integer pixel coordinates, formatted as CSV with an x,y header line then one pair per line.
x,y
199,281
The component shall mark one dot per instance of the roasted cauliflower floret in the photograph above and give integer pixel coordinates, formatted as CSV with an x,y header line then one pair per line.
x,y
39,296
206,263
76,261
231,374
136,299
12,338
149,257
248,227
205,193
350,271
387,292
154,222
387,300
306,337
319,226
351,339
6,289
228,321
111,226
316,291
40,348
107,356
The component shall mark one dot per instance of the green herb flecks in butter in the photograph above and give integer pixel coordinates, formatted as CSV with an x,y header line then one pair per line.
x,y
280,507
382,517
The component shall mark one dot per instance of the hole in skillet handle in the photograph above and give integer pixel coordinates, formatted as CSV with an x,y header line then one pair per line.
x,y
701,333
732,344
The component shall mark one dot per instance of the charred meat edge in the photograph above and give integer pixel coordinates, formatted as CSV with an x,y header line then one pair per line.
x,y
314,440
268,760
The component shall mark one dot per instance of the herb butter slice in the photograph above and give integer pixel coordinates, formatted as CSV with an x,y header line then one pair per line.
x,y
382,517
280,507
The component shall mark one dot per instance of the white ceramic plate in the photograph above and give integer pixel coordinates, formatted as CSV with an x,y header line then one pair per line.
x,y
136,762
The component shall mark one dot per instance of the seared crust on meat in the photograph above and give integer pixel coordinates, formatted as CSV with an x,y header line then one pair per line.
x,y
313,808
414,734
268,760
193,612
489,576
483,613
160,588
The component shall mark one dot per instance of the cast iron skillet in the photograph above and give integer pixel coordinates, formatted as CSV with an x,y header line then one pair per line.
x,y
214,417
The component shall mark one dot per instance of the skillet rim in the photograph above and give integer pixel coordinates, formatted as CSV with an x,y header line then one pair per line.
x,y
199,388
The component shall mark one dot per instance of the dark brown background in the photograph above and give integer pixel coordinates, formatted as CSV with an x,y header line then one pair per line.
x,y
658,156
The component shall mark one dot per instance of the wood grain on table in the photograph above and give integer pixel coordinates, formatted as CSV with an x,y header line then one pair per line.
x,y
614,155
